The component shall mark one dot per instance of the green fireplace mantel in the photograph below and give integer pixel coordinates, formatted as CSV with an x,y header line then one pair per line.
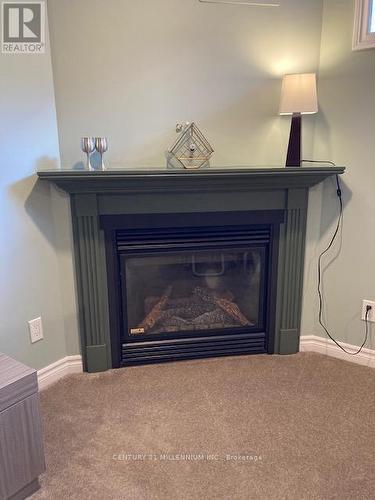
x,y
127,192
84,181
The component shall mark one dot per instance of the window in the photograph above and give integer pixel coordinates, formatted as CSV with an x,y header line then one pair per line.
x,y
364,27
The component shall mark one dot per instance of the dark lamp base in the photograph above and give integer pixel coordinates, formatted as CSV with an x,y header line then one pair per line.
x,y
293,158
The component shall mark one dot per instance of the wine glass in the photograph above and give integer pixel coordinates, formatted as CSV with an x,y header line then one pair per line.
x,y
101,144
88,146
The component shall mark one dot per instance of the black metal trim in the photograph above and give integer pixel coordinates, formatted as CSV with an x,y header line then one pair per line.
x,y
272,288
172,350
120,235
114,297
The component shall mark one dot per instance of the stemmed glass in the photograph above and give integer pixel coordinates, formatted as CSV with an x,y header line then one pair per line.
x,y
88,147
101,144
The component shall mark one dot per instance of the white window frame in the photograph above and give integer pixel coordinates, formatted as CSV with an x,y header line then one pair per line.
x,y
362,37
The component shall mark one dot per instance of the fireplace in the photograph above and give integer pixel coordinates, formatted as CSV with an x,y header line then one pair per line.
x,y
204,287
188,264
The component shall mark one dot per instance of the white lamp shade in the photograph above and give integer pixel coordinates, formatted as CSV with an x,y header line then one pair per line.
x,y
298,94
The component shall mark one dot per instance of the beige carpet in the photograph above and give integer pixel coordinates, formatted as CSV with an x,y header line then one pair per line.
x,y
252,427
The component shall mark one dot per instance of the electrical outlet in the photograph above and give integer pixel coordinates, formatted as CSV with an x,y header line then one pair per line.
x,y
36,330
371,313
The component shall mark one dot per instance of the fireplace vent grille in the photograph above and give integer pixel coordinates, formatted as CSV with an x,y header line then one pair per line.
x,y
183,238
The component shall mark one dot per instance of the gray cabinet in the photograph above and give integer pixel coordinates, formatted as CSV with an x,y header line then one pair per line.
x,y
21,445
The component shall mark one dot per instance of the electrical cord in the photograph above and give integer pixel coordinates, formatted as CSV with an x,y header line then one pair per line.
x,y
333,239
319,161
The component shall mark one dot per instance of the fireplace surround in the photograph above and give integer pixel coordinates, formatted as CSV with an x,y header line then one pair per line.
x,y
174,265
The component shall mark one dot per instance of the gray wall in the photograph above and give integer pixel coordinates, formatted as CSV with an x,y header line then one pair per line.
x,y
33,228
345,133
132,69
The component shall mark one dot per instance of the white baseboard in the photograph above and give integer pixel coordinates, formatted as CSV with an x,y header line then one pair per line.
x,y
54,372
313,343
309,343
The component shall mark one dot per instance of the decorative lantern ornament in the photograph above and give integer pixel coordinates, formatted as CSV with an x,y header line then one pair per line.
x,y
191,150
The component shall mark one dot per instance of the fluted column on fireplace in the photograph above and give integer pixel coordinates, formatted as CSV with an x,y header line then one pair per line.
x,y
290,270
91,278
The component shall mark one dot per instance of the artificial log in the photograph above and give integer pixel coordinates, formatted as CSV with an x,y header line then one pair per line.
x,y
225,304
232,309
150,302
211,318
154,315
224,294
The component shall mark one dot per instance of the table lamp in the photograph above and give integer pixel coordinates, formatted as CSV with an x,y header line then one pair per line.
x,y
298,97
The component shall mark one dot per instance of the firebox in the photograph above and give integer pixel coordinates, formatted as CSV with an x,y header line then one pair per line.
x,y
205,287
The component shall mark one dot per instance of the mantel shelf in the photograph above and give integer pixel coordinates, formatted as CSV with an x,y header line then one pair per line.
x,y
213,179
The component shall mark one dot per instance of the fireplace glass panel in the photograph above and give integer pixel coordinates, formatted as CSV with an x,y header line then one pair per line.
x,y
193,291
